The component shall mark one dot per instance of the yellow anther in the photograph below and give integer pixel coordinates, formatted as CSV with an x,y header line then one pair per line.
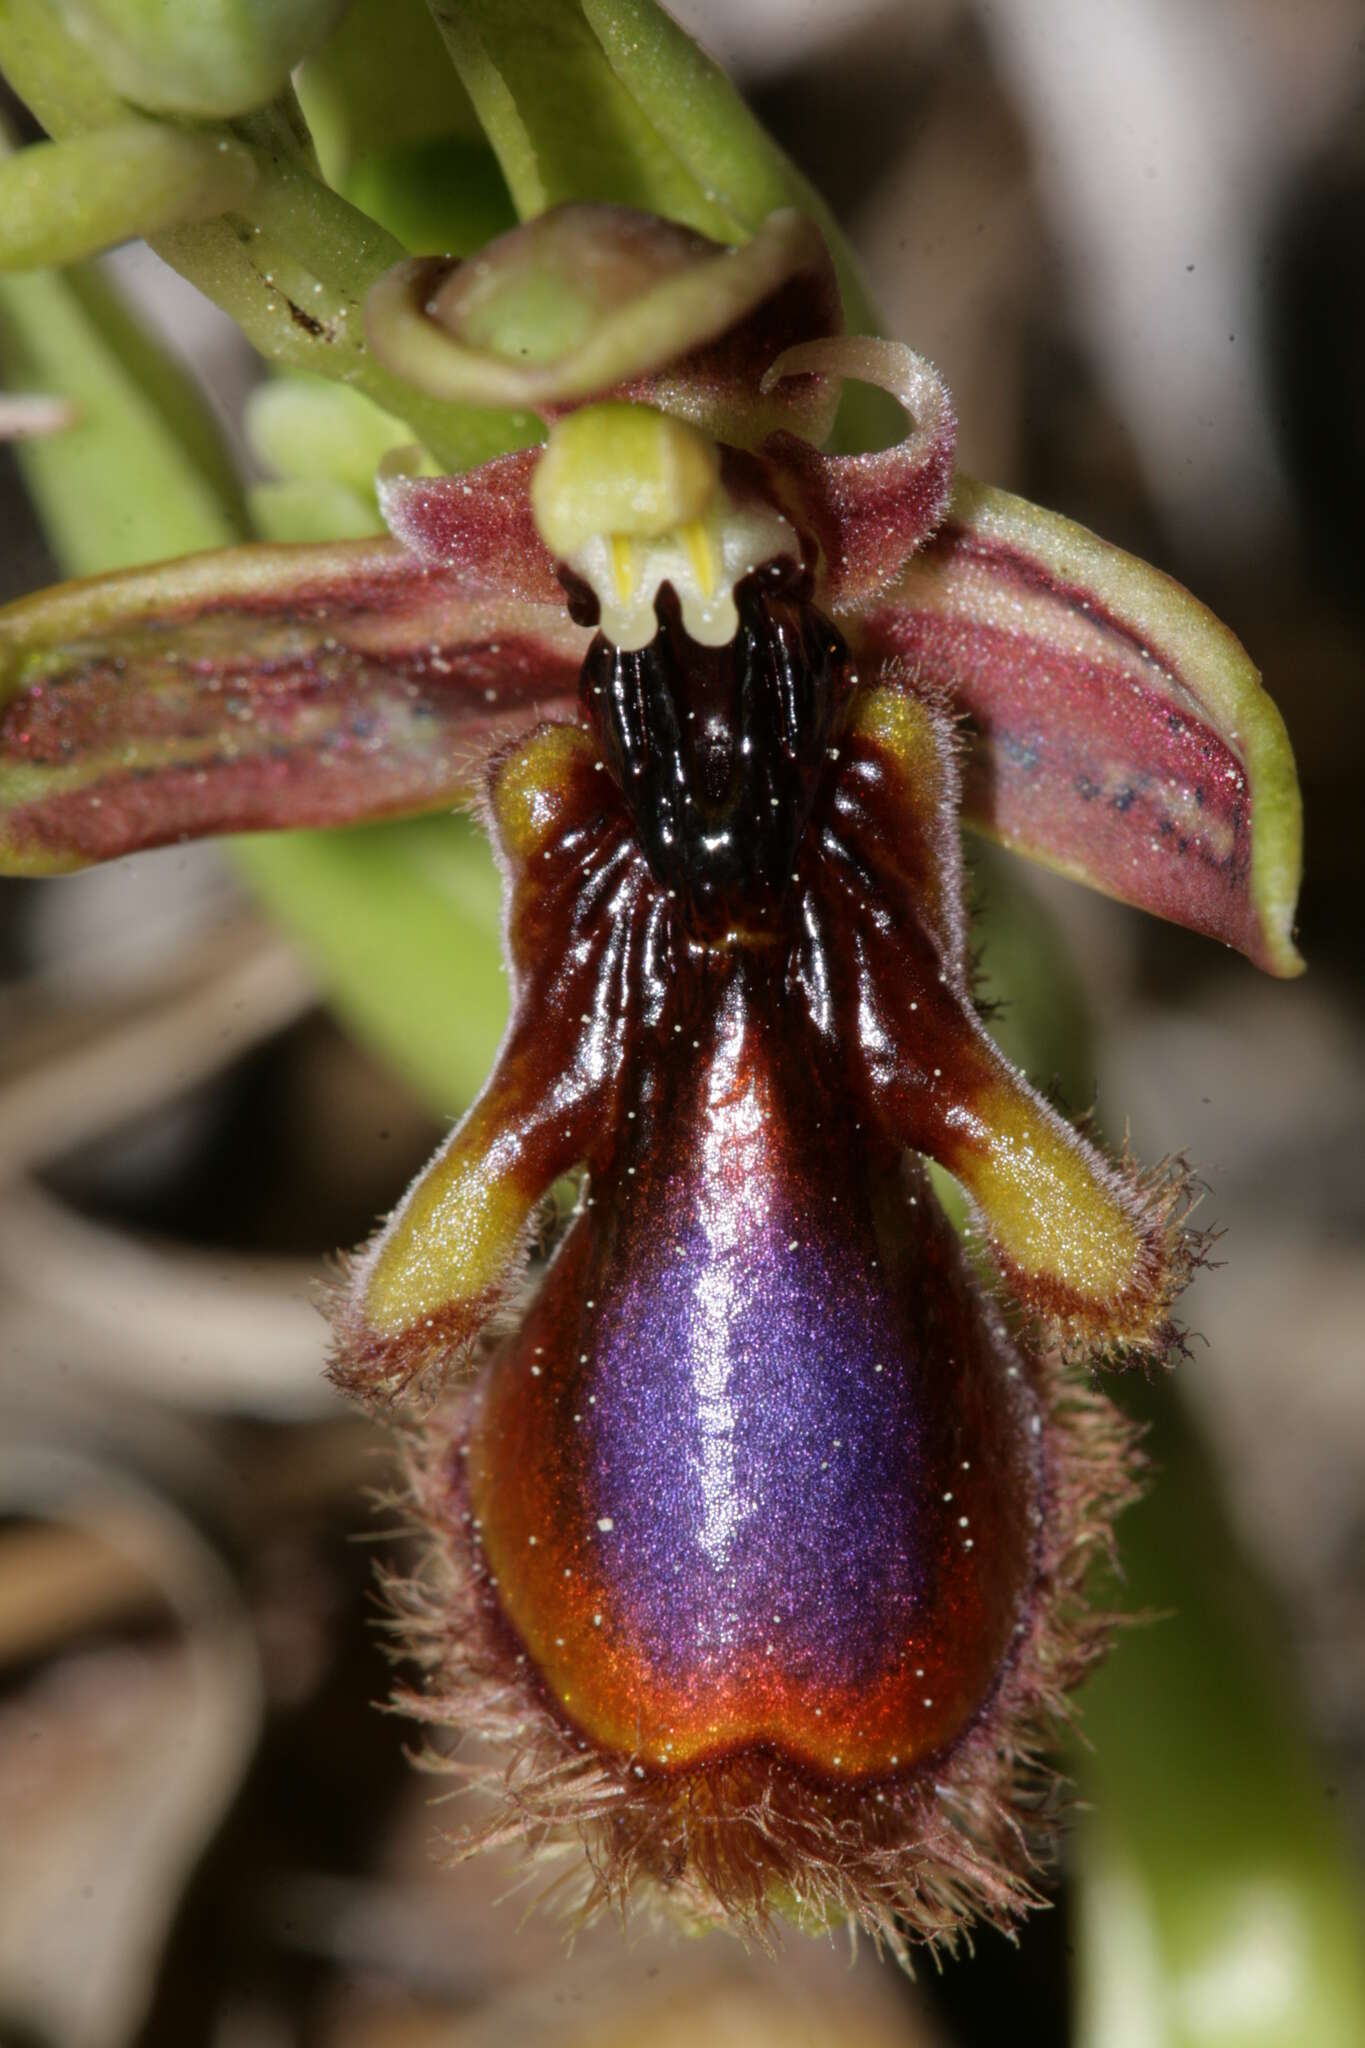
x,y
701,555
623,566
623,470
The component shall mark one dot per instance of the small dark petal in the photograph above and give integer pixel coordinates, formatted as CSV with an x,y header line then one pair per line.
x,y
581,598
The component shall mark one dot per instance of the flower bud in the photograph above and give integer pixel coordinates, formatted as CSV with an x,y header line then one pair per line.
x,y
207,60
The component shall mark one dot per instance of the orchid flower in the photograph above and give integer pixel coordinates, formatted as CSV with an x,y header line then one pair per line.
x,y
760,1518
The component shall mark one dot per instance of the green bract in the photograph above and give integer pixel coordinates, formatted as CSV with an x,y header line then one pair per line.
x,y
60,201
579,300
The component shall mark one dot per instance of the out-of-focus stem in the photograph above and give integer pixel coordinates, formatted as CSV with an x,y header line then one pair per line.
x,y
1218,1903
294,272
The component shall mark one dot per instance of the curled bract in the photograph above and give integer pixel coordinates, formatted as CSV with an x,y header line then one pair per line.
x,y
590,299
759,1521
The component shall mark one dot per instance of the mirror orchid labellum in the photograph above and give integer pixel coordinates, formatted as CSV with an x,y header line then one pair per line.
x,y
759,1518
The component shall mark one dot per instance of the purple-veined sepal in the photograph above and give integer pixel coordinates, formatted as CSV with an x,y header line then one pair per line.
x,y
1121,733
257,688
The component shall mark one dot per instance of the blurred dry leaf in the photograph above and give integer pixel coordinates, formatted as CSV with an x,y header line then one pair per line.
x,y
702,1993
116,1761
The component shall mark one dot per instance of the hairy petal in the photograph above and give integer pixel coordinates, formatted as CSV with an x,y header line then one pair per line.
x,y
869,512
257,688
1123,735
452,1252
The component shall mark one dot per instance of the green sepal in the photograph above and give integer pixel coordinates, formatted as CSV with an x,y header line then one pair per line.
x,y
395,131
694,107
611,100
382,80
443,197
562,123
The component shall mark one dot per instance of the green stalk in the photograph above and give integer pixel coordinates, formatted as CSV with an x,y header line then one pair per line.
x,y
1218,1906
294,271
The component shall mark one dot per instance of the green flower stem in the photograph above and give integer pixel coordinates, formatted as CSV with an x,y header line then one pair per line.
x,y
294,272
295,280
667,132
62,201
1218,1906
142,472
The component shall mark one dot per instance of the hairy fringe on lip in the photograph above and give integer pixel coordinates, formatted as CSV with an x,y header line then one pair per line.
x,y
396,1376
1161,1199
1137,1328
747,1838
